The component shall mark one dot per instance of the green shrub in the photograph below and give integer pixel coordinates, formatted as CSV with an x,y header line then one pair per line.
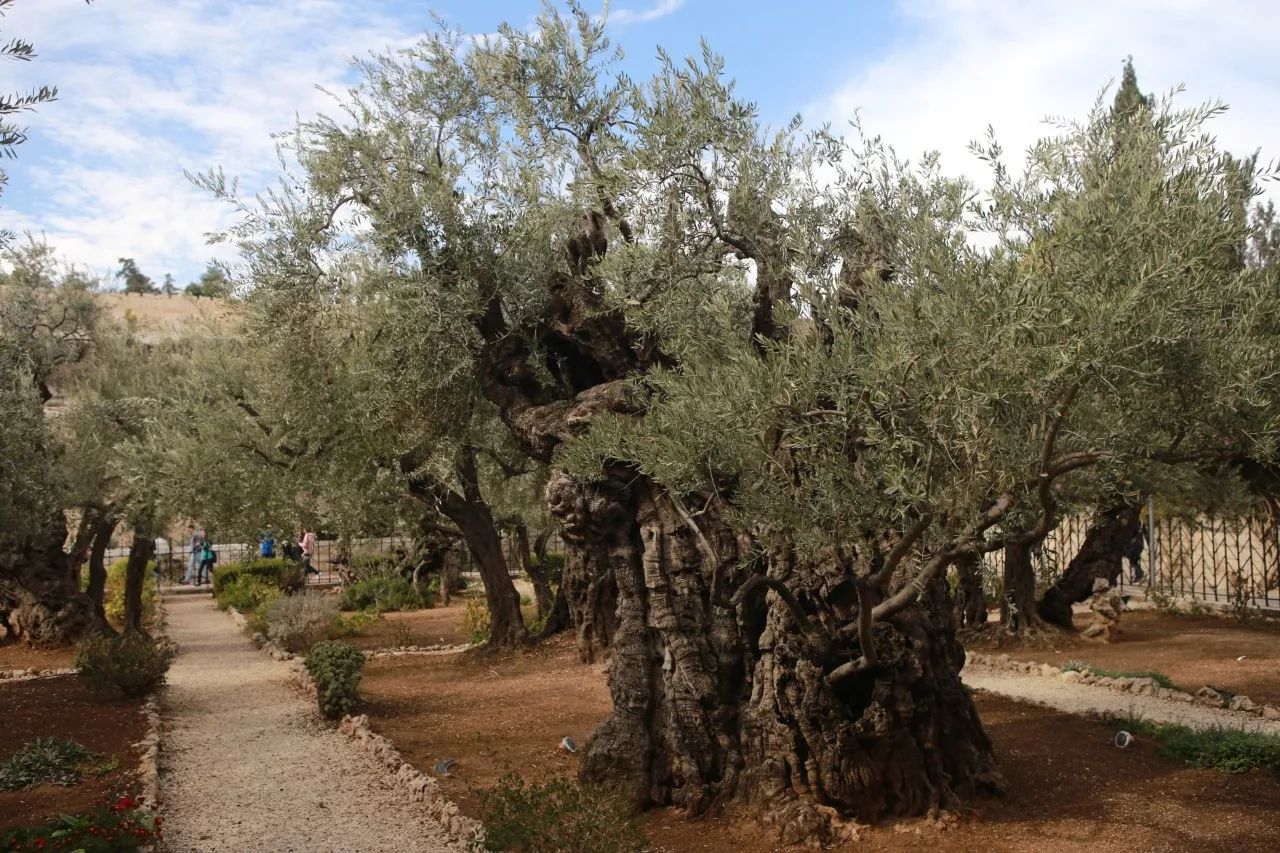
x,y
113,592
383,594
130,664
123,825
349,626
558,816
475,621
276,571
51,759
336,668
372,565
298,622
1080,666
247,593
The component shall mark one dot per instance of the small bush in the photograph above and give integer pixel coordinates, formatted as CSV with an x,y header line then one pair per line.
x,y
51,759
336,668
365,566
558,816
113,592
130,664
298,622
384,594
120,826
475,621
1080,666
275,571
349,626
247,593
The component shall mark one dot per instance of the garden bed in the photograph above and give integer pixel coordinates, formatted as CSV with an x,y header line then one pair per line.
x,y
15,654
428,627
63,707
1070,787
1192,650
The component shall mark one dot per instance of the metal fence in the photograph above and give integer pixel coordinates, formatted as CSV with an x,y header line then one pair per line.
x,y
173,558
1227,561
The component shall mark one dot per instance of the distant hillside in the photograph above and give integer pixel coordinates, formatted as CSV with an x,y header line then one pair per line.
x,y
163,316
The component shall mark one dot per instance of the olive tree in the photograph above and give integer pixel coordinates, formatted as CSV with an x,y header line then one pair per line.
x,y
779,388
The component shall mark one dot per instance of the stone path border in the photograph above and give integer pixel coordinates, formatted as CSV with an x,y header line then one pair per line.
x,y
1084,693
417,786
11,675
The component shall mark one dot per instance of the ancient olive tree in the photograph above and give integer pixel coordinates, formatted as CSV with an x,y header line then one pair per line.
x,y
780,388
48,332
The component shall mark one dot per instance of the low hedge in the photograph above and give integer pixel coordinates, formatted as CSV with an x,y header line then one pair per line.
x,y
277,571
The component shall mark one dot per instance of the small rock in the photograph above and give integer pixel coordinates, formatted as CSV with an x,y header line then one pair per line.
x,y
1270,712
1070,675
1241,703
1048,671
1208,696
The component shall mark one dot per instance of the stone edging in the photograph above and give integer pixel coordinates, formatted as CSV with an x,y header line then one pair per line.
x,y
1206,696
11,675
149,765
401,651
418,786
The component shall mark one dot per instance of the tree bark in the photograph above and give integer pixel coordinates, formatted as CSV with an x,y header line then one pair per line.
x,y
1018,611
103,529
535,569
718,698
40,587
135,576
1101,556
971,603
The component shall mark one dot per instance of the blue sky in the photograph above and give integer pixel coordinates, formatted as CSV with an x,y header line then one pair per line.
x,y
150,88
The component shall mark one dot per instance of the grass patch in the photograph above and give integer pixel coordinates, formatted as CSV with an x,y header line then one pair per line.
x,y
1080,666
1219,748
558,816
52,759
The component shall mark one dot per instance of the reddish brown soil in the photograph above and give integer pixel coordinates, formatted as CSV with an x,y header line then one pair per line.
x,y
434,626
1070,789
15,655
64,707
492,714
1192,650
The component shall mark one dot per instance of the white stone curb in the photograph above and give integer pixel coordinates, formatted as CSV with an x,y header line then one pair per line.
x,y
417,786
1207,696
11,675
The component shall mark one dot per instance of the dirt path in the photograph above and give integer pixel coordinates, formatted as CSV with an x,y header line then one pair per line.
x,y
247,766
1075,698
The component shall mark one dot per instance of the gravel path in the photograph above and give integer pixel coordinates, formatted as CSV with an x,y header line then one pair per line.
x,y
246,764
1076,698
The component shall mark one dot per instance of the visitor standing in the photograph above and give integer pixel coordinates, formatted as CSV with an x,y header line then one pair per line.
x,y
197,538
208,557
308,544
266,546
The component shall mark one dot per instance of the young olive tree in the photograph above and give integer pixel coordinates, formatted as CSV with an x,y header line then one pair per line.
x,y
779,389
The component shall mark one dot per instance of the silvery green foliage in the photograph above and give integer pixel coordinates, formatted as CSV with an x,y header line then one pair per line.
x,y
1088,319
297,622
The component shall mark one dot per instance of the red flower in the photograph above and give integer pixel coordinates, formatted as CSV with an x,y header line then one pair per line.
x,y
39,843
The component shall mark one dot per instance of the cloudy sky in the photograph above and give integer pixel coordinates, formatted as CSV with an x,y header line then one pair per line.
x,y
153,88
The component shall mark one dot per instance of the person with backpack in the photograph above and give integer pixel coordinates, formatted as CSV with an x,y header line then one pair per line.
x,y
307,541
197,546
266,546
1133,552
208,559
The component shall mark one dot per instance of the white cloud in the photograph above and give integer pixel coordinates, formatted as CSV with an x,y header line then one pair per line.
x,y
660,9
150,88
964,64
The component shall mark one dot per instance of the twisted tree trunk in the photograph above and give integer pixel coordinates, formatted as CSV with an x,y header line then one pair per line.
x,y
1018,610
722,697
135,576
40,587
103,529
535,569
1101,556
970,601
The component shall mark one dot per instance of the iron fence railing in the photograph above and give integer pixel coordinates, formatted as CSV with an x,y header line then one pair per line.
x,y
1227,561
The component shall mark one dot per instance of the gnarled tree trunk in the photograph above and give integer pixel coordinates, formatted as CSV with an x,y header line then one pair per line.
x,y
534,568
1101,556
40,587
1018,610
971,603
135,576
103,529
719,698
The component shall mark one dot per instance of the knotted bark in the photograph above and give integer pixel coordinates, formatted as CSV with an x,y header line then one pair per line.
x,y
1101,556
40,587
